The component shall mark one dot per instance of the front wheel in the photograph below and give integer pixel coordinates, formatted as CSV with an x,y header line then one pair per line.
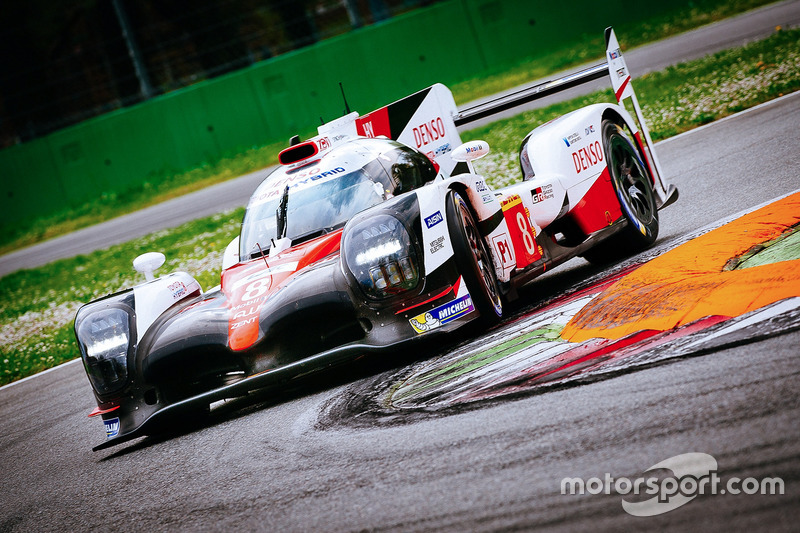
x,y
473,260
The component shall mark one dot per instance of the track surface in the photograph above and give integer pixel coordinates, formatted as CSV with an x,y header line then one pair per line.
x,y
235,193
286,465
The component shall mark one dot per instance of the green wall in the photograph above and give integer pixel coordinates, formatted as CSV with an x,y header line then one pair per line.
x,y
274,99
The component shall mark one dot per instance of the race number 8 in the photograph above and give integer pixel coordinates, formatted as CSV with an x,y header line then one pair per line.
x,y
527,238
258,288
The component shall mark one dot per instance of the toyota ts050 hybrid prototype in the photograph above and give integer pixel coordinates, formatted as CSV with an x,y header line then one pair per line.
x,y
375,233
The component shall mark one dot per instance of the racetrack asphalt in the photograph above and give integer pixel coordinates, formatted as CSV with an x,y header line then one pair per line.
x,y
235,193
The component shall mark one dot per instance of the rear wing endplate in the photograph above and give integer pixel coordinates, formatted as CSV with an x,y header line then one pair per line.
x,y
614,67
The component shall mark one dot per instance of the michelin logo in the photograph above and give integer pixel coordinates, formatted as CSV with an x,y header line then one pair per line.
x,y
112,427
443,314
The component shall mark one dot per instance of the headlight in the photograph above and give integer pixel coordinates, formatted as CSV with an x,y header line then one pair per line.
x,y
381,256
104,337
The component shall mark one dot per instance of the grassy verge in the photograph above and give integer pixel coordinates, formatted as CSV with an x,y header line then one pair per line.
x,y
37,307
591,47
158,189
161,188
674,100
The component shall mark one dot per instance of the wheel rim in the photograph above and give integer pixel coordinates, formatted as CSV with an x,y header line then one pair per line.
x,y
481,258
631,183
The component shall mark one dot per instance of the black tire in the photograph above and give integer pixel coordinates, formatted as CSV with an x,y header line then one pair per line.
x,y
633,186
473,259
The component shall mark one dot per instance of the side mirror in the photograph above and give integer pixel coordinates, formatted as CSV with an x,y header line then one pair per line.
x,y
149,263
470,151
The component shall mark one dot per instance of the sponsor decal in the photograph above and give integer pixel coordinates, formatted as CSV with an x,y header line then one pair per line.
x,y
475,148
178,289
540,194
429,132
374,124
572,139
614,54
589,130
112,427
621,72
369,131
505,251
587,157
480,186
245,310
511,201
443,314
242,323
434,219
324,144
443,149
437,244
295,180
487,198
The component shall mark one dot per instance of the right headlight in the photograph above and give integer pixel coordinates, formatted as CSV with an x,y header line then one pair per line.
x,y
380,255
104,336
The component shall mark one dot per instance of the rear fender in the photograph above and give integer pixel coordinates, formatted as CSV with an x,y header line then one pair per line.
x,y
571,146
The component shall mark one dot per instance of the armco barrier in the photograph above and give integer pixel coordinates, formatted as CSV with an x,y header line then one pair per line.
x,y
271,100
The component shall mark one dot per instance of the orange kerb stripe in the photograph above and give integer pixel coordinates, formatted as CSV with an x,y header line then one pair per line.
x,y
688,282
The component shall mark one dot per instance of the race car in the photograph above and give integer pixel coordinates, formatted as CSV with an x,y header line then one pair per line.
x,y
377,233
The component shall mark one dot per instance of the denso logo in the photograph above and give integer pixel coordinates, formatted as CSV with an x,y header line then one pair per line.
x,y
428,132
434,219
585,158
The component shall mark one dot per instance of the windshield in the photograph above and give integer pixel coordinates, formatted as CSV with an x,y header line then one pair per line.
x,y
324,195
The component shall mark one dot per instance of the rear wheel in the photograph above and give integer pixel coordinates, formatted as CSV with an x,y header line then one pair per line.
x,y
473,260
633,186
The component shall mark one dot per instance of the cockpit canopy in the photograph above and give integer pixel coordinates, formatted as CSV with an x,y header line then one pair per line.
x,y
325,193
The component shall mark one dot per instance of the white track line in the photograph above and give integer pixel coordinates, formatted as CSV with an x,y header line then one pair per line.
x,y
39,374
729,117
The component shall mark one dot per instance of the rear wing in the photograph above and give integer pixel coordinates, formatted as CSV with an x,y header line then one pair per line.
x,y
614,67
423,120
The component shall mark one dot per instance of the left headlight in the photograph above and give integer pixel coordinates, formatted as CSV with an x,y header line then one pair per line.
x,y
381,256
104,336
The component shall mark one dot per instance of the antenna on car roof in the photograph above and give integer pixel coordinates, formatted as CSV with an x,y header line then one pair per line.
x,y
346,106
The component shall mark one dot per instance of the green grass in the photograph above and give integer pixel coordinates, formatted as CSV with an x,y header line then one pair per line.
x,y
156,190
169,185
37,307
592,47
674,100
